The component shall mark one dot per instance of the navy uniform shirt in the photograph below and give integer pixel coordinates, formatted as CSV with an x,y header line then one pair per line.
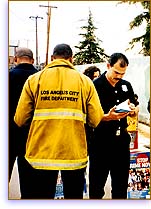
x,y
111,96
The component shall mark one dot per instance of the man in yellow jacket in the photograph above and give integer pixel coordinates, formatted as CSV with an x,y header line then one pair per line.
x,y
57,102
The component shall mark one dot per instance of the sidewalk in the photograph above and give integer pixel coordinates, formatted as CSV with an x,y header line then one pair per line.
x,y
143,142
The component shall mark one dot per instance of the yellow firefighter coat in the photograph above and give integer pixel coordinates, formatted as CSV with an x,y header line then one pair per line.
x,y
57,101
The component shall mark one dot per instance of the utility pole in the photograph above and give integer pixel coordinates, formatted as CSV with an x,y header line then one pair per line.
x,y
36,17
48,28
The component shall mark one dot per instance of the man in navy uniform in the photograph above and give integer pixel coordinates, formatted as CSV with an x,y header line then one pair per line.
x,y
109,150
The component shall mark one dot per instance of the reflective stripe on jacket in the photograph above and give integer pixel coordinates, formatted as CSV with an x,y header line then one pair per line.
x,y
58,101
58,113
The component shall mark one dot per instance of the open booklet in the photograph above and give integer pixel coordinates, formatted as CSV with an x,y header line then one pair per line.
x,y
123,107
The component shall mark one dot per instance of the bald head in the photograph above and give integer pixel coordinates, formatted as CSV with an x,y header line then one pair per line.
x,y
24,55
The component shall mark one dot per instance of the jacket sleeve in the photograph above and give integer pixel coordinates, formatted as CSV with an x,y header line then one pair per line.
x,y
95,112
25,107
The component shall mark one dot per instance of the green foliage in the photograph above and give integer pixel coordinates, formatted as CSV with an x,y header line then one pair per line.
x,y
138,20
89,50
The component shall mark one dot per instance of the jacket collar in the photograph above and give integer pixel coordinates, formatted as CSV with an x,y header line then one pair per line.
x,y
62,62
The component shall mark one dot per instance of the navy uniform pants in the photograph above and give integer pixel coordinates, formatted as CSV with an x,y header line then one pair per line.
x,y
109,154
41,184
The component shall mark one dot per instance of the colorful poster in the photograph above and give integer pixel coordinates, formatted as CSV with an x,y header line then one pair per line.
x,y
139,175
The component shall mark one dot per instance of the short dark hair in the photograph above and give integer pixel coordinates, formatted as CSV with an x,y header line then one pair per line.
x,y
90,71
62,50
118,56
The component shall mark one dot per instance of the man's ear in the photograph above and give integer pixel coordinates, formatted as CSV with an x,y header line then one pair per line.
x,y
108,66
15,59
71,59
32,61
52,57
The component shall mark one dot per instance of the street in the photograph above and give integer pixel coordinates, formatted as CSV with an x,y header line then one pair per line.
x,y
143,142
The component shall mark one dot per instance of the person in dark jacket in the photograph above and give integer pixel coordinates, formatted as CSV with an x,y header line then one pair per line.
x,y
17,76
92,72
109,149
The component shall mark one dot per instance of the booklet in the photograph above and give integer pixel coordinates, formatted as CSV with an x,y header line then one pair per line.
x,y
123,107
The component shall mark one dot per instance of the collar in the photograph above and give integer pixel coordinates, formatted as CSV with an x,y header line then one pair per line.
x,y
61,62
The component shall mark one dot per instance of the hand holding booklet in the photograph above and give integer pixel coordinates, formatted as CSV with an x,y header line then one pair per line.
x,y
123,107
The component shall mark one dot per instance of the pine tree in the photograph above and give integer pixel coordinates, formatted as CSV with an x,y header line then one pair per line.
x,y
136,22
145,38
89,50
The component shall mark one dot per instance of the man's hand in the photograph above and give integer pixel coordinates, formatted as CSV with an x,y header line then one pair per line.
x,y
112,115
134,110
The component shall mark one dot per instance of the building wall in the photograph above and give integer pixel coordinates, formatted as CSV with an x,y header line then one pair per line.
x,y
12,50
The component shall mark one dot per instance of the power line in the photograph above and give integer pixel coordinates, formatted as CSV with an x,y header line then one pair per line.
x,y
48,28
36,18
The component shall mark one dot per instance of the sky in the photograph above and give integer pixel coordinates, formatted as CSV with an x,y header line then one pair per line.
x,y
111,20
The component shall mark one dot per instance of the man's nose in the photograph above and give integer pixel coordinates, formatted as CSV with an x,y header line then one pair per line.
x,y
119,76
